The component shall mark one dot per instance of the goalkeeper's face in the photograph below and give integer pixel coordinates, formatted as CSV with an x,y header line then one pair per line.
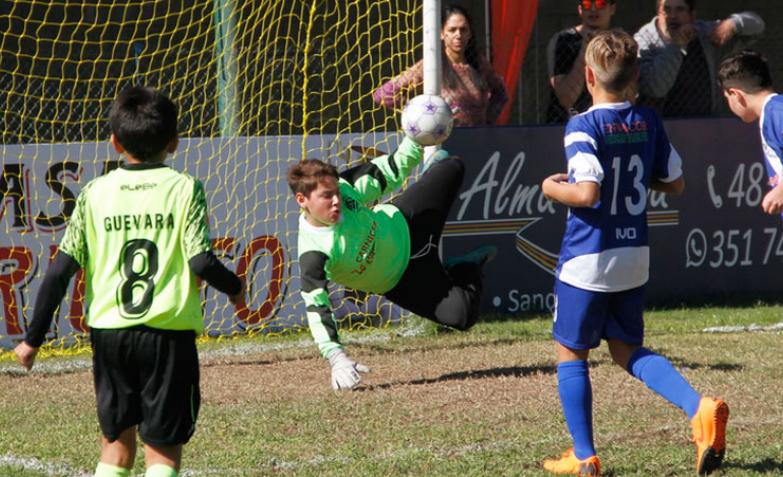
x,y
322,206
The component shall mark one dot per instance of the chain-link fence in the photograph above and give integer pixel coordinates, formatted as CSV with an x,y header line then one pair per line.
x,y
677,81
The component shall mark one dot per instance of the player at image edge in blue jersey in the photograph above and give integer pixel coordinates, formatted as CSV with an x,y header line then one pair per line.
x,y
747,86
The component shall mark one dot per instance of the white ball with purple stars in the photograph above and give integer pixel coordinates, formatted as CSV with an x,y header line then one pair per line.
x,y
427,119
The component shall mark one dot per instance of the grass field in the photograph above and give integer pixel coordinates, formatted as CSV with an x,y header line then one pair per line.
x,y
482,403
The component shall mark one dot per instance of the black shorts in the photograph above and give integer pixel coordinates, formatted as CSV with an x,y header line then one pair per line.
x,y
425,206
146,377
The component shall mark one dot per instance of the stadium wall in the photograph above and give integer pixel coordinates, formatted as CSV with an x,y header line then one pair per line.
x,y
713,240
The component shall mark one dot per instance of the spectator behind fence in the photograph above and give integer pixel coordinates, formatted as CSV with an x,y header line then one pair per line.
x,y
474,91
678,56
566,60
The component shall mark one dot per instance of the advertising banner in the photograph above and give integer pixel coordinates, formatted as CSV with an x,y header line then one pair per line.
x,y
713,240
253,222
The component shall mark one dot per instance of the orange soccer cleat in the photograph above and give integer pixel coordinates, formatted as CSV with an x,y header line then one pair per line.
x,y
709,434
569,464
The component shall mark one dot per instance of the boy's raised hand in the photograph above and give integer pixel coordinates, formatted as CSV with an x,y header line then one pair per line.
x,y
723,33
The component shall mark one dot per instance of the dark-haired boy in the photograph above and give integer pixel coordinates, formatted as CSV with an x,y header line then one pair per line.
x,y
389,249
140,233
616,152
747,86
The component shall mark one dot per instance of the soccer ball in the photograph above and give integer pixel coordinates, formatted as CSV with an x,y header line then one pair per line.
x,y
427,119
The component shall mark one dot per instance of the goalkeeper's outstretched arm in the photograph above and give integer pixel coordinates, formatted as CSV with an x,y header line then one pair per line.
x,y
384,174
323,327
320,318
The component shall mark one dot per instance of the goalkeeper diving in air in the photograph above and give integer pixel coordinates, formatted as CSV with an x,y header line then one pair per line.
x,y
390,249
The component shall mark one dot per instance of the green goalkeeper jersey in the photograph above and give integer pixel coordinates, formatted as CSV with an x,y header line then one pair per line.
x,y
368,249
133,232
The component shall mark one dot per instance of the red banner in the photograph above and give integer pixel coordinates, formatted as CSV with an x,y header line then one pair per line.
x,y
512,24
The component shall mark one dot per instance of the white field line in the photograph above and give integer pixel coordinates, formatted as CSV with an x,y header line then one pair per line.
x,y
753,328
48,468
48,366
64,366
75,365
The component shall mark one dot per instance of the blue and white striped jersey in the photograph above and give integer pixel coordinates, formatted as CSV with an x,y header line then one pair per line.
x,y
622,148
771,125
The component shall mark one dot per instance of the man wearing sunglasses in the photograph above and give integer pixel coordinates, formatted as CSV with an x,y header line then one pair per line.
x,y
566,60
678,55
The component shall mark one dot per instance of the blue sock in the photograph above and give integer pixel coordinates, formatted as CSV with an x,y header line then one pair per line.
x,y
576,396
659,375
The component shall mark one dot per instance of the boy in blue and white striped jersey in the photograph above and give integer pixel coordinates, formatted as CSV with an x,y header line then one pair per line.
x,y
616,152
747,86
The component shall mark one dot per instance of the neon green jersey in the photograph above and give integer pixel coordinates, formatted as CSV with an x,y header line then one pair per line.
x,y
368,249
133,232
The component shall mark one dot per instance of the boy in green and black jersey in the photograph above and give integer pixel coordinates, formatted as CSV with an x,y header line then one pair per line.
x,y
140,233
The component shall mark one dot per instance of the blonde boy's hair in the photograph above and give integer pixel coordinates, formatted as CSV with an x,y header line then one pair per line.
x,y
612,55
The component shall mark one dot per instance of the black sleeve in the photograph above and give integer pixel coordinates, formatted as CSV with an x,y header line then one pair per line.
x,y
50,294
369,169
567,52
316,297
207,266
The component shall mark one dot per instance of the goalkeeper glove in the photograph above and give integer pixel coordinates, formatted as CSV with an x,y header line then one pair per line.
x,y
345,371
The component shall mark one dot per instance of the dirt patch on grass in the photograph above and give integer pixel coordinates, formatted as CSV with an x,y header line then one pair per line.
x,y
429,376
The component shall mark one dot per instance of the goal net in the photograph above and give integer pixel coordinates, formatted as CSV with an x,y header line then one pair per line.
x,y
258,84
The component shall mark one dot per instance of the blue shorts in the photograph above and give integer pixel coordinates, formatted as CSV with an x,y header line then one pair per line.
x,y
584,317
